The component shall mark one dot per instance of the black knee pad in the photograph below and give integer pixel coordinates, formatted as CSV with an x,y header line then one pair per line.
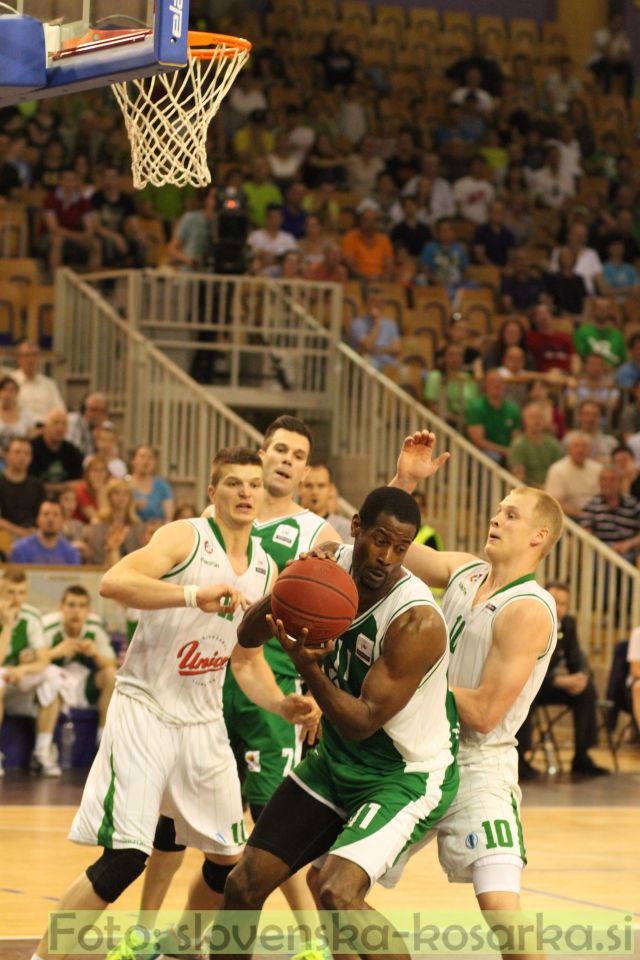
x,y
215,874
256,809
115,871
165,838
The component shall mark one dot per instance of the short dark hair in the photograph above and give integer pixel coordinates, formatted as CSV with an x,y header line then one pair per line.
x,y
632,342
557,585
392,502
293,425
16,576
76,590
622,448
5,380
232,455
321,464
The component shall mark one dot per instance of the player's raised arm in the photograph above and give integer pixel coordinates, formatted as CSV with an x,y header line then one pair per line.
x,y
136,579
254,629
521,634
413,643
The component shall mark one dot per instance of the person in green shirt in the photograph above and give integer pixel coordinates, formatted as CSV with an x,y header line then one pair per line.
x,y
532,453
493,422
260,192
600,334
449,391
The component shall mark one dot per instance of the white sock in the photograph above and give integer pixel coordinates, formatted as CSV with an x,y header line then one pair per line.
x,y
35,956
99,733
43,742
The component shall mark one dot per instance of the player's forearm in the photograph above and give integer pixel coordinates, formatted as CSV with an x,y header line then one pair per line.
x,y
476,709
134,589
256,680
352,718
254,629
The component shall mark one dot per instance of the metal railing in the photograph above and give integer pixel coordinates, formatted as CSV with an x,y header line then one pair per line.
x,y
370,416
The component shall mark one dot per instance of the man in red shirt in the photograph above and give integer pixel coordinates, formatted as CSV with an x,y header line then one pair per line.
x,y
551,350
71,225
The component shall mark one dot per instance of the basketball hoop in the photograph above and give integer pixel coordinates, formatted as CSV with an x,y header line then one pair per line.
x,y
167,115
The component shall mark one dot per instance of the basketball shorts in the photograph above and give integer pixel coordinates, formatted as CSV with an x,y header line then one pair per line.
x,y
269,745
482,822
79,686
145,767
384,815
35,689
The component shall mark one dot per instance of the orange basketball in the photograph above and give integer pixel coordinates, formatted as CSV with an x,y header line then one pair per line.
x,y
316,594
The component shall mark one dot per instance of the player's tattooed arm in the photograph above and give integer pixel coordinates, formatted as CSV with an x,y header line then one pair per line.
x,y
412,645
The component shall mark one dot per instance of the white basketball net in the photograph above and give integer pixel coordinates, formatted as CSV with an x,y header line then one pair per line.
x,y
167,117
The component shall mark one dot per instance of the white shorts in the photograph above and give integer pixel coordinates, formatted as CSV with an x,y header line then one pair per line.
x,y
34,689
145,767
74,684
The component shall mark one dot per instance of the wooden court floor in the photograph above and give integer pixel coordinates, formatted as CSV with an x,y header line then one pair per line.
x,y
582,839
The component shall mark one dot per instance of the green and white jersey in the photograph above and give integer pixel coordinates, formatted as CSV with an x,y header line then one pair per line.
x,y
177,659
27,634
422,737
93,630
283,539
470,638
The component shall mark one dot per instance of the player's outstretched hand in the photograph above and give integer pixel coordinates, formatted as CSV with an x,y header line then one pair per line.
x,y
318,552
221,598
416,461
301,654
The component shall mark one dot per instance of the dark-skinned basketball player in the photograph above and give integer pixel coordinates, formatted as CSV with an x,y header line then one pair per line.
x,y
375,783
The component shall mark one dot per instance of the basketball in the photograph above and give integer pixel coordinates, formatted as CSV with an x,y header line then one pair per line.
x,y
316,594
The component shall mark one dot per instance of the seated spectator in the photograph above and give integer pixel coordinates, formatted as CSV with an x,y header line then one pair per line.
x,y
20,494
432,190
612,56
337,64
532,453
246,95
254,139
363,167
474,193
629,420
551,186
600,334
284,162
458,331
570,154
107,447
404,267
480,59
323,204
523,285
449,390
512,333
573,480
596,385
384,200
260,192
551,350
324,164
619,279
566,288
626,467
94,478
312,244
562,86
375,336
301,134
493,422
589,422
71,226
39,394
116,529
554,419
316,490
185,511
588,264
353,113
294,216
48,172
271,59
46,545
55,460
515,375
122,240
78,644
613,516
152,495
472,84
28,683
271,242
15,421
331,268
578,115
404,163
367,251
492,241
409,232
72,528
194,239
567,682
93,411
443,260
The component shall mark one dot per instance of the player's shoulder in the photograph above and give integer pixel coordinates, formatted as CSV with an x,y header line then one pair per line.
x,y
468,569
51,621
29,612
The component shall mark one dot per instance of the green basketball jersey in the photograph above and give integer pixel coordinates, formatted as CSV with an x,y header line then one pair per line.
x,y
282,539
422,737
26,634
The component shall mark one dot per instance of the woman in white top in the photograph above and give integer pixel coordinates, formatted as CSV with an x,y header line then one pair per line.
x,y
15,421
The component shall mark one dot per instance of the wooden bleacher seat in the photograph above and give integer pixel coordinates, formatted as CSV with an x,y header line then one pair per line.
x,y
356,12
486,275
14,230
409,377
392,18
12,309
487,23
19,270
453,22
40,307
425,20
420,348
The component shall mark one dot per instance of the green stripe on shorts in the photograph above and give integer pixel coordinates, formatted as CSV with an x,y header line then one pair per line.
x,y
514,807
105,833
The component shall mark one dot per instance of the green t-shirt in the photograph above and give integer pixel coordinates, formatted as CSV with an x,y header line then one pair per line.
x,y
459,392
607,342
499,423
27,634
536,458
259,196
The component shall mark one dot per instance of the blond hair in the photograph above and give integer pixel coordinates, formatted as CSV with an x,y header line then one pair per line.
x,y
105,513
547,513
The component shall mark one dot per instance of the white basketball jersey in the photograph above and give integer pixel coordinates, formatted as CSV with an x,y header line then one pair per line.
x,y
470,638
177,659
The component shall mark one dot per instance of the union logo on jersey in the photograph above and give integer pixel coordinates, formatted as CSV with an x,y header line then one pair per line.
x,y
191,662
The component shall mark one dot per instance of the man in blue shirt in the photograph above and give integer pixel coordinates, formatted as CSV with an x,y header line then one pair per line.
x,y
47,545
446,261
620,276
374,336
628,375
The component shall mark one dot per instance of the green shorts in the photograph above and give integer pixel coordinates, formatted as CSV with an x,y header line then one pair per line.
x,y
385,814
269,746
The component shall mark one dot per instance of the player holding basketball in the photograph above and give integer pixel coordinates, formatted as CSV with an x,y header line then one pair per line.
x,y
375,782
165,747
503,630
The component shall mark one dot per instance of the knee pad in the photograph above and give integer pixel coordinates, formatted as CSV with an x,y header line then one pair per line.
x,y
215,874
165,838
115,871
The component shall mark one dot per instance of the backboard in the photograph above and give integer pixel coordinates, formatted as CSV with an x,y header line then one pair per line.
x,y
52,47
